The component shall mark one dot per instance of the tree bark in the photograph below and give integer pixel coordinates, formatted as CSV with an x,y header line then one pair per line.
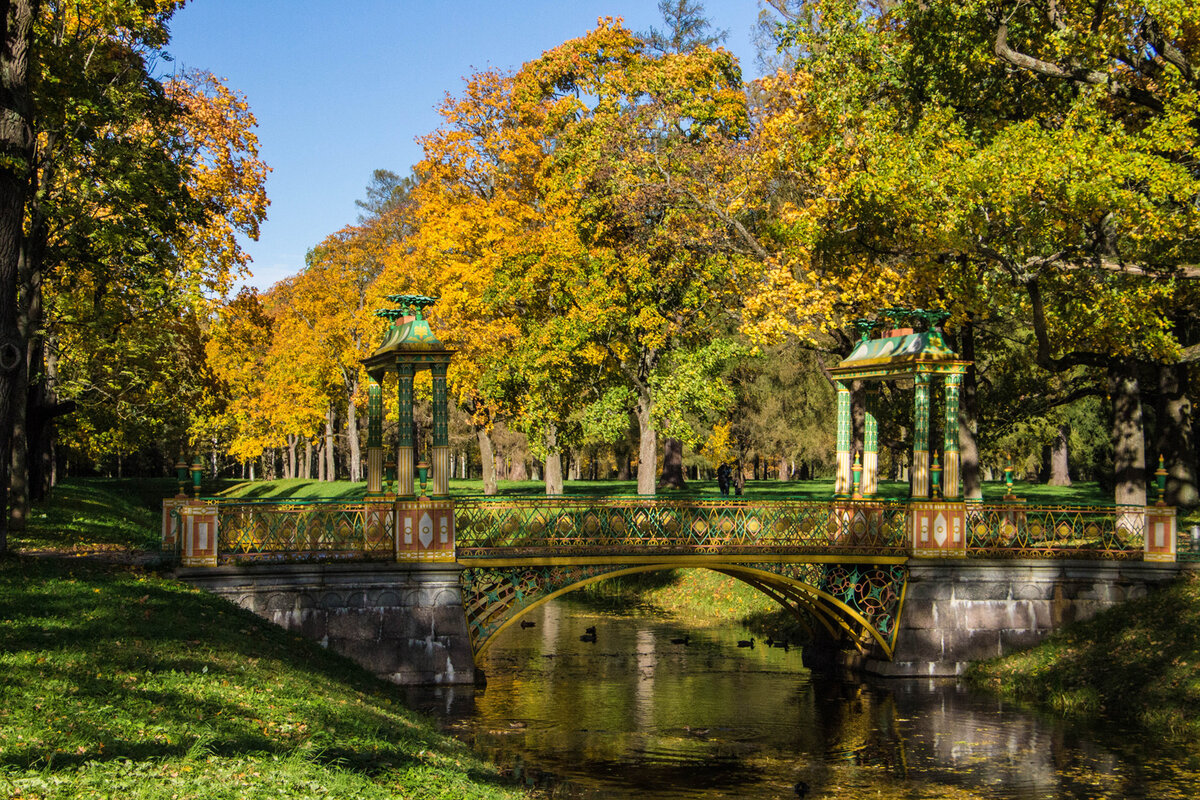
x,y
487,459
1175,438
1060,466
352,440
291,469
330,461
672,470
554,473
307,472
1129,445
647,444
16,147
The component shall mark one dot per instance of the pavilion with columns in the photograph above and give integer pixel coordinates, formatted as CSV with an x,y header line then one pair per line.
x,y
424,522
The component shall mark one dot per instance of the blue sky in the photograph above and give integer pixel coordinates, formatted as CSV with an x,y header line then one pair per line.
x,y
341,89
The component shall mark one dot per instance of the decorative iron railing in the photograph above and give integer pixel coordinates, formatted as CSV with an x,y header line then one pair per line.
x,y
306,529
567,526
1013,530
1187,544
613,526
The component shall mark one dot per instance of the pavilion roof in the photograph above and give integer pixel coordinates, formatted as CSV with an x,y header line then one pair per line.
x,y
898,353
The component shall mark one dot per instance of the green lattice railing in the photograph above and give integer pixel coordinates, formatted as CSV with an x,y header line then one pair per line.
x,y
542,526
324,529
1018,531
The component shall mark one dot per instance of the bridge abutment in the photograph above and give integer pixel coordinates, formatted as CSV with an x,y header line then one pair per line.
x,y
404,622
959,611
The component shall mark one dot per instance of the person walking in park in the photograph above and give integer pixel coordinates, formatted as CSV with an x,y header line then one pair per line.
x,y
723,472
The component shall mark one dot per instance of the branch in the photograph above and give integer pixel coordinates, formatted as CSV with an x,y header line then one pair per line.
x,y
1091,77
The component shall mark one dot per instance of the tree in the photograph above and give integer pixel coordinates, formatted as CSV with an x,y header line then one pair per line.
x,y
686,28
918,170
629,269
16,143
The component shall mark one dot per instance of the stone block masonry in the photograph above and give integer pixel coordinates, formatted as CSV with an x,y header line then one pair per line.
x,y
959,611
404,622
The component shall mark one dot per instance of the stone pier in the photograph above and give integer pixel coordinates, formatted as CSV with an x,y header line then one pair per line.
x,y
959,611
404,622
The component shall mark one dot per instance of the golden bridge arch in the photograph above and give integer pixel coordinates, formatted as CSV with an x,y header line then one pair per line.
x,y
857,601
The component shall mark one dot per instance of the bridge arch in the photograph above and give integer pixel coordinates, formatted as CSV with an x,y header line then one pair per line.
x,y
858,603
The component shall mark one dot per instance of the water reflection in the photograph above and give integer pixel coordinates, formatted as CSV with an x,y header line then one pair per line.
x,y
633,714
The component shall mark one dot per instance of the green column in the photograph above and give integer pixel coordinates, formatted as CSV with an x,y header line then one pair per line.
x,y
374,437
870,462
404,453
441,434
920,464
842,487
950,452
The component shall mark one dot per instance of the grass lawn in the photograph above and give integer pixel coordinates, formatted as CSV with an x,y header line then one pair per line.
x,y
117,681
303,489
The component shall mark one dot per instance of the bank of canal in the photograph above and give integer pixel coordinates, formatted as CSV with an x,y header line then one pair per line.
x,y
635,714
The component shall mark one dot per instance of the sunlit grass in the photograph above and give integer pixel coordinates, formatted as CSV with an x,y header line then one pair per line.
x,y
302,489
121,682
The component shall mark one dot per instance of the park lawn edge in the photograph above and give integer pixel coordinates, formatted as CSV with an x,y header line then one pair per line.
x,y
118,681
1138,662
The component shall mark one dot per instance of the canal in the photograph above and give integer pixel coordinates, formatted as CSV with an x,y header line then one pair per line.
x,y
639,714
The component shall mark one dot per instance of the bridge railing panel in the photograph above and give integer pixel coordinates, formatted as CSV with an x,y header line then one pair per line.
x,y
1009,530
536,526
298,530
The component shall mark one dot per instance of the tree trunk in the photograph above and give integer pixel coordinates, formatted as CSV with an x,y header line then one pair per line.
x,y
647,444
518,472
783,470
672,471
330,462
291,469
487,459
352,441
1060,469
307,472
16,142
1175,440
554,474
1129,445
968,419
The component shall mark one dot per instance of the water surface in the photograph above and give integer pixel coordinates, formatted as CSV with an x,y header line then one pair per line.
x,y
633,715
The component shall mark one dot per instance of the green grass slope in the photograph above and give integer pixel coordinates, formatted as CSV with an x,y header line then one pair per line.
x,y
116,681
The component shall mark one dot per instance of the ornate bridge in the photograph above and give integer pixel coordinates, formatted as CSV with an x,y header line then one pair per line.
x,y
841,567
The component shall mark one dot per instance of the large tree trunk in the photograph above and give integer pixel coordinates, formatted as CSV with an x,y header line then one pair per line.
x,y
16,143
1059,458
1175,440
1128,438
330,460
672,471
647,444
487,459
307,471
554,473
968,419
291,469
